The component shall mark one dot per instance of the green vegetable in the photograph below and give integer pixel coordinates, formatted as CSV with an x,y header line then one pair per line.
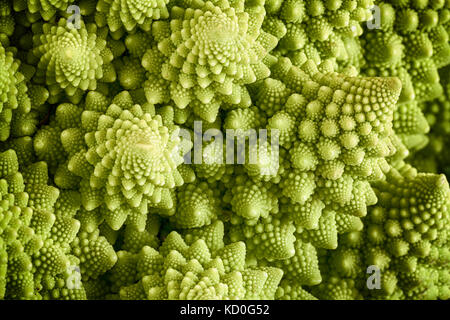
x,y
224,149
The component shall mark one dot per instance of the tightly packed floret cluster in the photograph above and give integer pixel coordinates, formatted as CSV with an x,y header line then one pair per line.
x,y
412,44
224,149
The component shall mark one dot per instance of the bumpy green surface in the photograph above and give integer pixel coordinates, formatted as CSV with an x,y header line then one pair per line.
x,y
405,236
412,44
117,175
206,55
37,230
45,8
120,156
194,271
318,29
70,59
130,13
14,100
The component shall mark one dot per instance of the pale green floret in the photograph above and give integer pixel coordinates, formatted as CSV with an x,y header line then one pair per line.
x,y
271,238
15,105
210,52
35,234
411,126
399,235
318,30
197,205
303,267
71,60
411,44
130,14
190,272
335,143
252,200
95,253
46,8
129,163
